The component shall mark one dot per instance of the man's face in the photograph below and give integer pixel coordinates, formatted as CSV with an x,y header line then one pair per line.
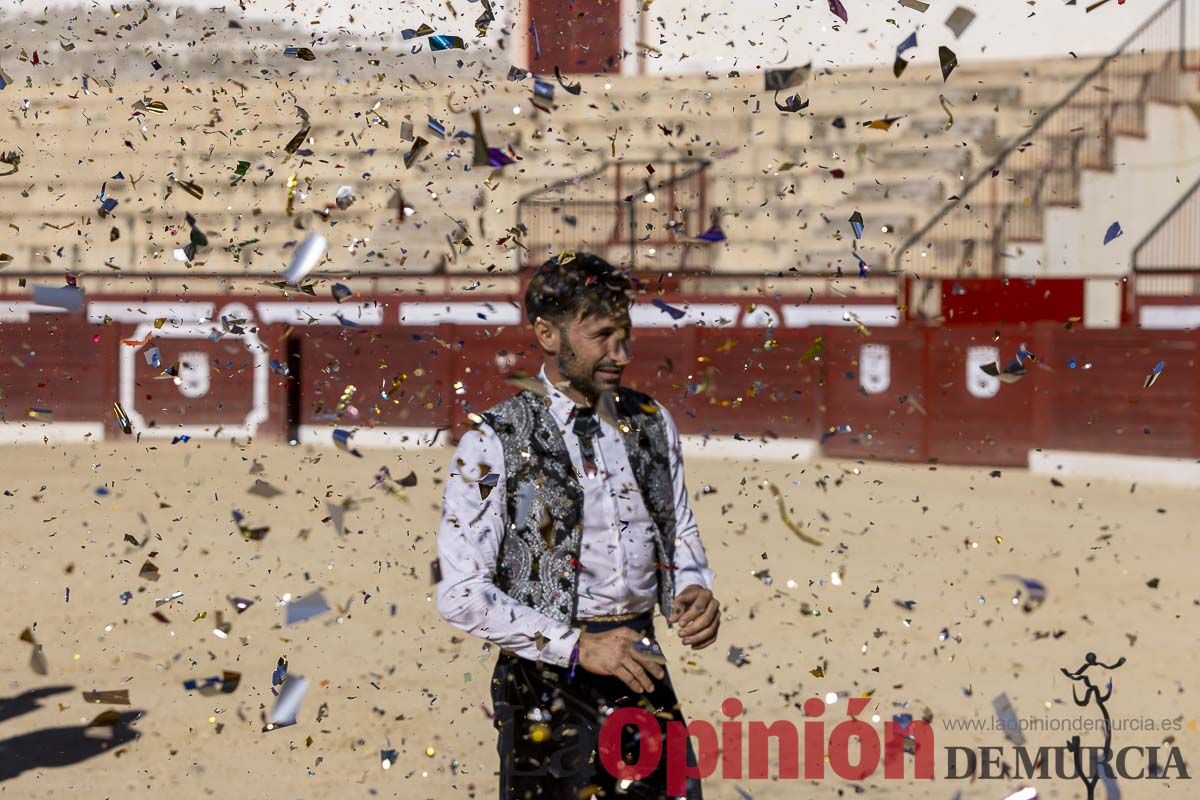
x,y
595,351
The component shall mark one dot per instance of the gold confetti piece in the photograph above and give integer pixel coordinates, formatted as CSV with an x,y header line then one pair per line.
x,y
804,537
122,418
817,672
946,107
191,187
113,697
292,182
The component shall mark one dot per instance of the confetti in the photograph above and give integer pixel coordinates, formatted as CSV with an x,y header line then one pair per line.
x,y
123,421
306,258
440,42
225,683
1035,592
792,104
959,20
948,61
899,65
116,697
302,53
675,313
1113,232
776,80
415,151
572,88
287,705
37,658
839,10
302,610
787,520
856,222
68,298
341,438
422,31
1154,373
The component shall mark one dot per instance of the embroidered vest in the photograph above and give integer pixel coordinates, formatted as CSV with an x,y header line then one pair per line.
x,y
539,553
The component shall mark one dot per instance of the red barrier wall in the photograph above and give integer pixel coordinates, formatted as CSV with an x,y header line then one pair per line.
x,y
905,393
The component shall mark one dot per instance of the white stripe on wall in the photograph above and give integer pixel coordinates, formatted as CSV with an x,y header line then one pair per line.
x,y
497,313
58,432
1114,467
1169,317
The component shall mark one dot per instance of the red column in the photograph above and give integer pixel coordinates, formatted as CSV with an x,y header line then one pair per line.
x,y
574,35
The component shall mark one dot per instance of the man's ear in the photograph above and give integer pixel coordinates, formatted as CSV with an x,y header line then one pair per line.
x,y
548,335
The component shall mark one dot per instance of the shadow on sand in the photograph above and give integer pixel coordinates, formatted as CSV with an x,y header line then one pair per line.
x,y
58,747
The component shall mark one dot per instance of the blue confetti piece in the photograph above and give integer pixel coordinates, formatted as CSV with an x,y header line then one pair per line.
x,y
341,438
306,608
409,33
857,223
542,89
713,235
1113,232
279,368
907,44
1154,373
107,207
437,128
497,158
102,491
864,269
443,42
181,438
1071,363
674,312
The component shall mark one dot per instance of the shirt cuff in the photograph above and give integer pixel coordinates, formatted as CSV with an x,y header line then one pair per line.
x,y
693,576
558,649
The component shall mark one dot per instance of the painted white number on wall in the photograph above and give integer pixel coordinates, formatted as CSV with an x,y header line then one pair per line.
x,y
875,368
193,374
979,383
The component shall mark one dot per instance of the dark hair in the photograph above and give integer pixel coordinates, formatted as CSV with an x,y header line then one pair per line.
x,y
584,286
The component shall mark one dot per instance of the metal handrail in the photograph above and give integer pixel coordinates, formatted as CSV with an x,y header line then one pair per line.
x,y
1045,117
1135,259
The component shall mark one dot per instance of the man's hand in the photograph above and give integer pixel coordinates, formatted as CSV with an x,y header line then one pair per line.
x,y
611,653
699,616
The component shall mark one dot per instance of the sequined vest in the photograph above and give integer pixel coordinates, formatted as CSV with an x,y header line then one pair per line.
x,y
539,552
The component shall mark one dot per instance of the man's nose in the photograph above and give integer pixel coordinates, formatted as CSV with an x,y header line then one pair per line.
x,y
621,352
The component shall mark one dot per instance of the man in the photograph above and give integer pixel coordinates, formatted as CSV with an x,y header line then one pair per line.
x,y
565,520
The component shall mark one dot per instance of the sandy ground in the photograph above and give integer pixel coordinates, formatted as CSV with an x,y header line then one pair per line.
x,y
387,673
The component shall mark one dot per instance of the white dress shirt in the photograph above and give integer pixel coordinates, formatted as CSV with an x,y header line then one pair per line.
x,y
618,575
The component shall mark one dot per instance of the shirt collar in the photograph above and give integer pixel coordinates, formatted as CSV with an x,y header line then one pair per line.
x,y
561,406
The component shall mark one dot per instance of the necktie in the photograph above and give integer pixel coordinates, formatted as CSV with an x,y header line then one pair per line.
x,y
587,426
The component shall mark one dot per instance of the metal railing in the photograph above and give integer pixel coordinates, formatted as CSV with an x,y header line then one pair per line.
x,y
1173,244
634,218
1005,203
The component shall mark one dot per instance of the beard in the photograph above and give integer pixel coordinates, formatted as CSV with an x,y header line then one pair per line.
x,y
579,374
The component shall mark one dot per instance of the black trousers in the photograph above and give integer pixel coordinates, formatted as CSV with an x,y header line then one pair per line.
x,y
549,729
